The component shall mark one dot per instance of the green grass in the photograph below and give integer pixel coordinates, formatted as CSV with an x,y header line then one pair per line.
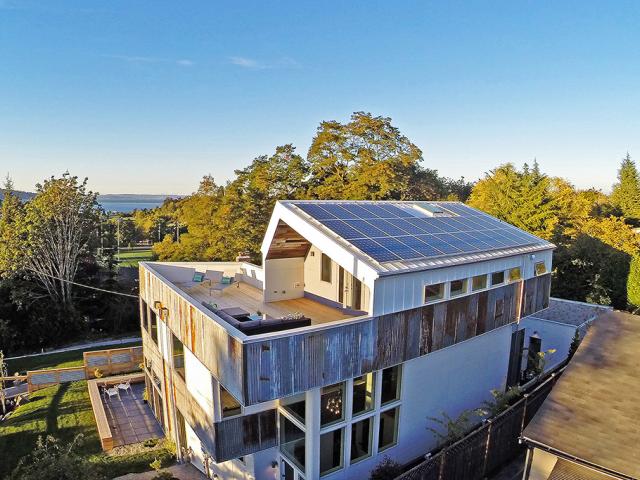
x,y
131,258
72,358
65,411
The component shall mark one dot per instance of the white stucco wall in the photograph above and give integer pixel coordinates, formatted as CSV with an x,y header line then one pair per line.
x,y
312,276
284,279
199,382
453,379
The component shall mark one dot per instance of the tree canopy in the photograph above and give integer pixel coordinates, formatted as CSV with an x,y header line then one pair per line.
x,y
625,195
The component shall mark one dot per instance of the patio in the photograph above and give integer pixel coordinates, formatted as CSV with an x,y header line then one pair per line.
x,y
130,419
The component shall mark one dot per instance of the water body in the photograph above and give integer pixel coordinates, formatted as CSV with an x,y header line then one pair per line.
x,y
127,207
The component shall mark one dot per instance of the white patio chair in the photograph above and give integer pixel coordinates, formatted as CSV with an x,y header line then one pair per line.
x,y
126,386
113,392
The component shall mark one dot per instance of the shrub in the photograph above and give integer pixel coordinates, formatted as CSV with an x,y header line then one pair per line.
x,y
633,283
164,476
387,469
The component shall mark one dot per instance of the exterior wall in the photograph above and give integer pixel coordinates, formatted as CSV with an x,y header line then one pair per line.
x,y
451,380
542,464
395,293
554,335
199,382
284,279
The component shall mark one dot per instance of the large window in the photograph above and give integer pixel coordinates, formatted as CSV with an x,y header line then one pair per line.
x,y
497,278
332,404
153,325
228,404
388,431
514,274
178,356
433,292
390,385
541,268
479,282
363,391
331,451
458,287
143,315
292,442
361,439
325,268
297,409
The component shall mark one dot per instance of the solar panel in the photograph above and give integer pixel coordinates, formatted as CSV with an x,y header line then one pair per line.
x,y
388,231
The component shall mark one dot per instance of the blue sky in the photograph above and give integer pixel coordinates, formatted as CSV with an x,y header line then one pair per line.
x,y
147,96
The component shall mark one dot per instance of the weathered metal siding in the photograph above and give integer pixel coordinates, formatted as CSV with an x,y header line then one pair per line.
x,y
295,363
209,341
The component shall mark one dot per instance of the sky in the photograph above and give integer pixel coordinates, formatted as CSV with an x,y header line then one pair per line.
x,y
148,96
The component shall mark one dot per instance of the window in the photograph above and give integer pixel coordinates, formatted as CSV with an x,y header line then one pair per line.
x,y
541,268
297,409
228,404
514,274
292,442
390,385
479,282
388,430
363,390
361,439
325,268
497,278
458,287
153,326
289,472
331,404
433,292
143,315
178,356
331,451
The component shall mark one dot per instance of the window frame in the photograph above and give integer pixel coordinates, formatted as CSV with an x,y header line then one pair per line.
x,y
342,430
437,299
343,406
486,282
371,420
512,278
465,287
222,415
396,428
326,270
398,394
535,268
372,407
181,371
498,272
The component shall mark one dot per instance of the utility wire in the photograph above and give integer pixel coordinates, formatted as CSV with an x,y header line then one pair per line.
x,y
89,286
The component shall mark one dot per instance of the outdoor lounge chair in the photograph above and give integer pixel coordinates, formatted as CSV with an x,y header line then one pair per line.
x,y
113,392
126,386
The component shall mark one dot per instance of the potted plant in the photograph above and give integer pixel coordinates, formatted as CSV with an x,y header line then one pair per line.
x,y
145,395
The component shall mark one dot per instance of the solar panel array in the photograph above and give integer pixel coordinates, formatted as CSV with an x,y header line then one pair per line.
x,y
398,232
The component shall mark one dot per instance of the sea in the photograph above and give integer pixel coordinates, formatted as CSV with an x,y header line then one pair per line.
x,y
128,207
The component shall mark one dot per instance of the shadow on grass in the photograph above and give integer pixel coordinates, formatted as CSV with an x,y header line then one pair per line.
x,y
53,411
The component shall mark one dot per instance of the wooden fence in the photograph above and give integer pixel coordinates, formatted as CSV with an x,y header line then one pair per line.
x,y
110,362
488,447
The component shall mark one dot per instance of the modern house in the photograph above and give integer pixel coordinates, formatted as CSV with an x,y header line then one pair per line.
x,y
589,427
365,319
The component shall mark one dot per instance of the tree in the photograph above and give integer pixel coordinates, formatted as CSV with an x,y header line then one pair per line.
x,y
11,237
633,283
365,159
60,223
387,469
452,429
51,460
626,192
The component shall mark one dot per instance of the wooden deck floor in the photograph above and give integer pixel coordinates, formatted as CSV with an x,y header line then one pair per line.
x,y
249,298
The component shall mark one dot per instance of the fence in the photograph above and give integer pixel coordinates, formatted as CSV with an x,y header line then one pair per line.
x,y
110,362
488,447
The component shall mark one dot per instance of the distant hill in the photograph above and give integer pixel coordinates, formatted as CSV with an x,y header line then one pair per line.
x,y
109,198
22,195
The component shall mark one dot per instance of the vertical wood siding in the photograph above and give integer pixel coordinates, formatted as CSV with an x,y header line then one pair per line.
x,y
292,364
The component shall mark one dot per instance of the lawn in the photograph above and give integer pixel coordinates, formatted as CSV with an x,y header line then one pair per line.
x,y
65,411
132,257
72,358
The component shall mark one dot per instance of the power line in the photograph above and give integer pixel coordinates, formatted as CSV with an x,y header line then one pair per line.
x,y
113,292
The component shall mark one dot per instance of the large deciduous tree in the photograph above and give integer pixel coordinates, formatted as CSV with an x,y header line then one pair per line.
x,y
365,159
58,226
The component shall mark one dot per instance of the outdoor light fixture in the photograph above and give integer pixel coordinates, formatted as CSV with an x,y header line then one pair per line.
x,y
157,304
274,464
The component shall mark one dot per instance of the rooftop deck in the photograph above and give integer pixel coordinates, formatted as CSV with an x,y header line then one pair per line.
x,y
249,298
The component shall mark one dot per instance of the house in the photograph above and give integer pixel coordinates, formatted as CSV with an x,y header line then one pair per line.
x,y
365,319
589,427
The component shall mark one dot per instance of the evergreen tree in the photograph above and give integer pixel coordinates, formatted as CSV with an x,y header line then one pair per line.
x,y
633,284
626,192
